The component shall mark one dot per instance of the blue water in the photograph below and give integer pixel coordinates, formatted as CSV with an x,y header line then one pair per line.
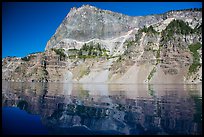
x,y
16,121
43,109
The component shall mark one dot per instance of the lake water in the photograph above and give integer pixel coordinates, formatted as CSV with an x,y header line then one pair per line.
x,y
59,108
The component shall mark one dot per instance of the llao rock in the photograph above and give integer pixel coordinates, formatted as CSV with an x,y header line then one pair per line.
x,y
87,22
92,45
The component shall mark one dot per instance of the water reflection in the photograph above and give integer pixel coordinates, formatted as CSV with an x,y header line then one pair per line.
x,y
109,109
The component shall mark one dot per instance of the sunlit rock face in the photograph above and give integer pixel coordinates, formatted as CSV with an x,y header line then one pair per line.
x,y
87,22
92,45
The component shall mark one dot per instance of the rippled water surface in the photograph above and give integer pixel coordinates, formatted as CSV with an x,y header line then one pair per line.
x,y
59,108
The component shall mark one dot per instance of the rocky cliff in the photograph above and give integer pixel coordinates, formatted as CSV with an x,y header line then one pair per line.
x,y
94,45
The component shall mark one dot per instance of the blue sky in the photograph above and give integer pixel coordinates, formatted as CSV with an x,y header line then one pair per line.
x,y
27,26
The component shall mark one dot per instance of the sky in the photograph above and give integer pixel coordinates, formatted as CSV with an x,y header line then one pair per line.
x,y
27,26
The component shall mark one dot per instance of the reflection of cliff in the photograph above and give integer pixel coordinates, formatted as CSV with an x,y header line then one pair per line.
x,y
168,114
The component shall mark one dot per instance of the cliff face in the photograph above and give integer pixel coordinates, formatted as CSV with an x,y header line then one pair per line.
x,y
94,45
87,23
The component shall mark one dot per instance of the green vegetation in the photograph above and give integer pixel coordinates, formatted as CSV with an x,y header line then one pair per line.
x,y
43,75
158,54
109,57
149,30
27,58
176,27
194,47
92,50
35,52
73,50
196,57
18,69
60,52
129,43
72,53
198,29
89,50
151,74
191,9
